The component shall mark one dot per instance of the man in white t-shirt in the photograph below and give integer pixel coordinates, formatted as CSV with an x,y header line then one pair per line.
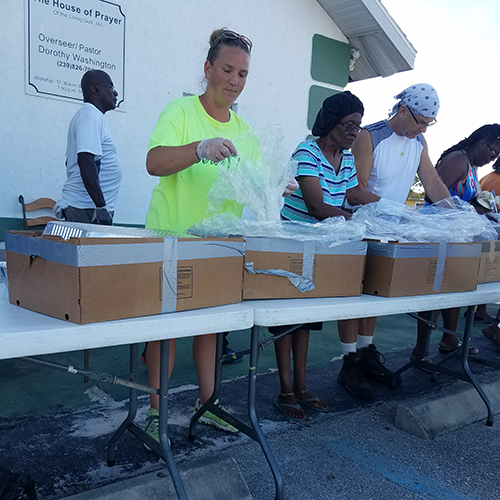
x,y
93,172
388,155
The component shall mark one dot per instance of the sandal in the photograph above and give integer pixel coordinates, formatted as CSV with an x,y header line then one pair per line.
x,y
447,349
427,359
310,401
281,407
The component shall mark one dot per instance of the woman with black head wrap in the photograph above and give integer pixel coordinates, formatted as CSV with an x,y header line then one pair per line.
x,y
326,168
325,172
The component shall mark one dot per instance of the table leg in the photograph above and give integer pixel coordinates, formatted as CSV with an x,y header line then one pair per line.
x,y
467,375
162,448
431,326
209,404
132,409
254,431
164,445
252,389
465,364
86,363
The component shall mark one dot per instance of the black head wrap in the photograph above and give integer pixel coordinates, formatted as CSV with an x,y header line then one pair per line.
x,y
334,109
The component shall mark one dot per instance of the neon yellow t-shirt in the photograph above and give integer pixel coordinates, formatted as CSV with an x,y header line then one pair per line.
x,y
180,200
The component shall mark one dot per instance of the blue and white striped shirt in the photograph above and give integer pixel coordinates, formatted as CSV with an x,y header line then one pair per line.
x,y
312,163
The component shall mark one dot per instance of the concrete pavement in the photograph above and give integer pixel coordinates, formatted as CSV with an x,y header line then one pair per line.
x,y
354,451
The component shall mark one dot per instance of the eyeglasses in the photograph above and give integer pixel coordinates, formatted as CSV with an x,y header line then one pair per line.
x,y
494,153
351,127
231,35
421,123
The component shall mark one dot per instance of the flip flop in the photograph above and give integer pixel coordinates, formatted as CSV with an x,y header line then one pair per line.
x,y
446,350
281,408
309,401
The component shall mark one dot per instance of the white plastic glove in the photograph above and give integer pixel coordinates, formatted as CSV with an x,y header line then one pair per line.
x,y
293,185
216,149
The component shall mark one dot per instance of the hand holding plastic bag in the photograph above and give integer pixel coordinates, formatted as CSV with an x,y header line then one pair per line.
x,y
257,181
216,149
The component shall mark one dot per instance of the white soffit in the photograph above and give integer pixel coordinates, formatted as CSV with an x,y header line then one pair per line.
x,y
383,47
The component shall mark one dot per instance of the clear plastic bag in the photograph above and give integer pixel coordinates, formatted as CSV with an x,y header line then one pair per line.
x,y
257,183
450,220
334,230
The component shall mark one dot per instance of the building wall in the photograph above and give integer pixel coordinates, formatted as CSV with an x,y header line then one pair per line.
x,y
166,45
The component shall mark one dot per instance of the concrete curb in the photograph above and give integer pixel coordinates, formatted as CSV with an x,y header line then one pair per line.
x,y
447,410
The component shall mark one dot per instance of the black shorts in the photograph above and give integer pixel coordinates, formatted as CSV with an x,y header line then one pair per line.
x,y
276,330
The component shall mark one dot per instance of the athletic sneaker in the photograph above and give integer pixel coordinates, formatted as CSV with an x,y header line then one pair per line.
x,y
153,425
209,418
232,358
372,362
352,378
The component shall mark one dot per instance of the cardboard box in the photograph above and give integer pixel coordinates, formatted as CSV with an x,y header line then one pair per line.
x,y
489,268
272,264
402,269
84,280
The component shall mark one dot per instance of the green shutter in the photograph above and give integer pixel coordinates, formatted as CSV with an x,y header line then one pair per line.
x,y
330,61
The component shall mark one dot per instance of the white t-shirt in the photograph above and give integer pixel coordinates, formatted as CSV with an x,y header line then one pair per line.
x,y
395,162
88,133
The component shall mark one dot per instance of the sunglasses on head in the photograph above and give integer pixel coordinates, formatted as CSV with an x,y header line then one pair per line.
x,y
230,35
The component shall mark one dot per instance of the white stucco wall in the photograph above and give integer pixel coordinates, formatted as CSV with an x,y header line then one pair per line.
x,y
166,45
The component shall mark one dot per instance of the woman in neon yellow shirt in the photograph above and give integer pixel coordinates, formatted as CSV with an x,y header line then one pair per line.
x,y
192,137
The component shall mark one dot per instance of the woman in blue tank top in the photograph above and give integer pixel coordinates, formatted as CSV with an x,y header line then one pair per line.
x,y
457,168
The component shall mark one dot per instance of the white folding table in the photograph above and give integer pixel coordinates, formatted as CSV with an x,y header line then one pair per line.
x,y
26,333
280,312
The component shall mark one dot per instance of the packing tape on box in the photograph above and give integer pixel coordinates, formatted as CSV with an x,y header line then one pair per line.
x,y
189,250
169,276
303,283
440,265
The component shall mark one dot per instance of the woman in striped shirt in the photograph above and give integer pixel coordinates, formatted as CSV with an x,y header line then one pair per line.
x,y
325,173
